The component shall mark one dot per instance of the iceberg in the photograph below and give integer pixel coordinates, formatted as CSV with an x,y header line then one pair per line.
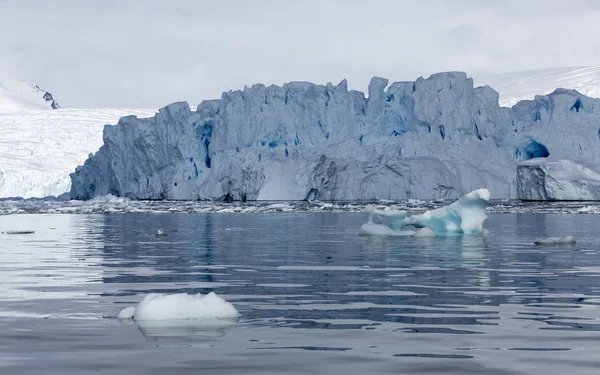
x,y
465,216
569,240
434,138
557,180
181,306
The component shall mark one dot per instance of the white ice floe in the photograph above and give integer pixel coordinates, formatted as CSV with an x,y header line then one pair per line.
x,y
127,313
569,240
181,306
465,216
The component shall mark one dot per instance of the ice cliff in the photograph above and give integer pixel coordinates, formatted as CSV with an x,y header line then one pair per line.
x,y
556,180
438,137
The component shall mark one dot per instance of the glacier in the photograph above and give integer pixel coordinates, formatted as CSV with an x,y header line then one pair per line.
x,y
465,216
434,138
557,180
41,143
38,149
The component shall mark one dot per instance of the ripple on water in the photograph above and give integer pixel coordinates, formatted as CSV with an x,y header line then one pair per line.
x,y
314,297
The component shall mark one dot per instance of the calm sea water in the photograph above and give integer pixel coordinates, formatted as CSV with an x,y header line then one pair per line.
x,y
314,296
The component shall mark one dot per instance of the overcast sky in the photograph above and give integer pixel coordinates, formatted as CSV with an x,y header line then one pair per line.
x,y
120,53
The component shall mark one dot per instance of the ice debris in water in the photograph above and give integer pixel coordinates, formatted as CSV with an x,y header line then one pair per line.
x,y
160,233
179,307
19,232
569,240
465,216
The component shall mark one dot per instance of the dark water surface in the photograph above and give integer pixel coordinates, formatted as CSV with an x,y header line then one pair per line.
x,y
314,296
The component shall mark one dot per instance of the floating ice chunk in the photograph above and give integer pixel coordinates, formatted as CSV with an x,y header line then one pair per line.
x,y
181,306
585,209
160,233
127,313
372,229
19,232
465,216
425,232
569,240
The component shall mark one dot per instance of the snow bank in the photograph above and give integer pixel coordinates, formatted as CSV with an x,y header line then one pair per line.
x,y
542,180
180,306
465,216
555,241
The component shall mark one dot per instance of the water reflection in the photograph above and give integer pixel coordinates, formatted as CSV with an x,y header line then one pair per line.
x,y
188,327
308,283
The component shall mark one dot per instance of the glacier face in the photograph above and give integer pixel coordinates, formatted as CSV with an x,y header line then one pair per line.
x,y
433,138
556,180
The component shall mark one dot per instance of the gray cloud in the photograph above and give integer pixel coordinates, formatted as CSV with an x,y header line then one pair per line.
x,y
151,53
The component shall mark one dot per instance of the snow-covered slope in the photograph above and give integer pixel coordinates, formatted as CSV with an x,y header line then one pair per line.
x,y
433,138
18,96
545,179
516,86
38,149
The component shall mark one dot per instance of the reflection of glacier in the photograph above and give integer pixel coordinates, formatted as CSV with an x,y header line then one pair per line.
x,y
465,216
433,138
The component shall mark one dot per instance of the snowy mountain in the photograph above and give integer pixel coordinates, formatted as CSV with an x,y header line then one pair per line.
x,y
18,96
516,86
433,138
38,149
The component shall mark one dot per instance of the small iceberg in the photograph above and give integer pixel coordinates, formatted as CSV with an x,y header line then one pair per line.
x,y
569,240
19,232
163,315
181,306
465,216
